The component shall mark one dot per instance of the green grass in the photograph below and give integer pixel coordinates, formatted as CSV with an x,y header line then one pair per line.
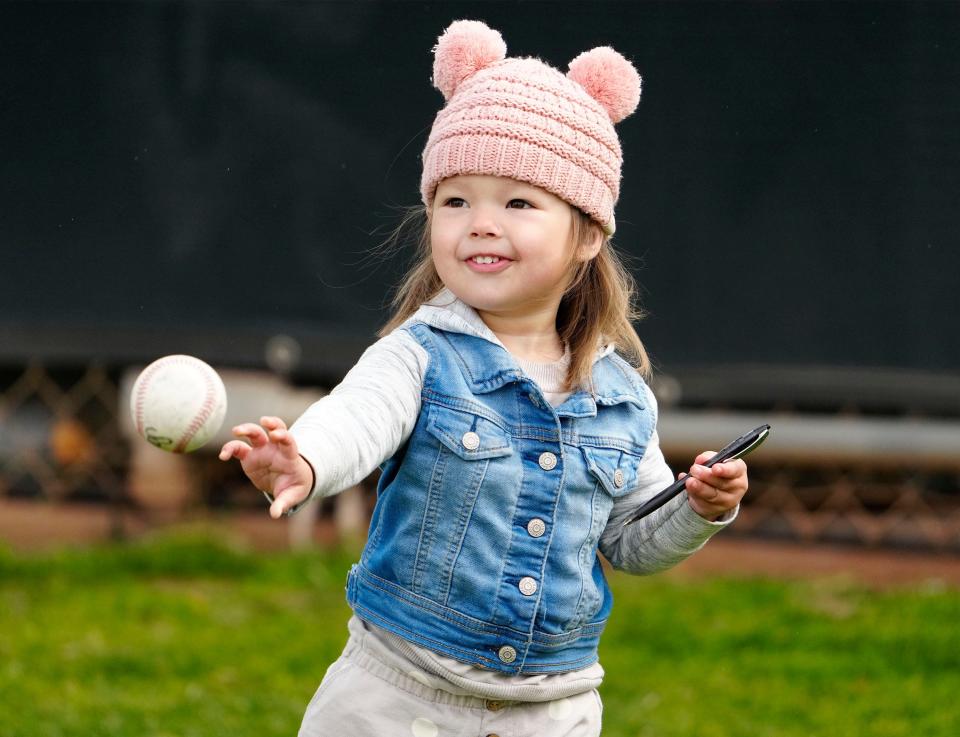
x,y
185,636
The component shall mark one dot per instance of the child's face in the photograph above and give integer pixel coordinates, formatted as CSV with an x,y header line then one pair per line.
x,y
528,228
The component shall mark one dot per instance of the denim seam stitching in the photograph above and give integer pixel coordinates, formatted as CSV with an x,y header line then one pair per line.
x,y
453,551
428,524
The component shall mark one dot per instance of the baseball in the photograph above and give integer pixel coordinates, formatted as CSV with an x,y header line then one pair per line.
x,y
178,403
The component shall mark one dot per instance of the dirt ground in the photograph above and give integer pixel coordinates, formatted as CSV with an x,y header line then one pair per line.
x,y
29,526
875,567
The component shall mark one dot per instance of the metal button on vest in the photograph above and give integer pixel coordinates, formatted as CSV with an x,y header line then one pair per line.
x,y
507,654
618,478
528,587
494,705
470,440
548,461
536,527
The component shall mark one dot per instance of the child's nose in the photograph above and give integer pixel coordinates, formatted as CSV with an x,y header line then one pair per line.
x,y
484,224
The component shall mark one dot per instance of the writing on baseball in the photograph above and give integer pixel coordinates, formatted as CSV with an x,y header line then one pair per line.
x,y
178,403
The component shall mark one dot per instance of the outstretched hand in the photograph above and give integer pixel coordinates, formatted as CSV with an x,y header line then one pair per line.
x,y
714,491
268,455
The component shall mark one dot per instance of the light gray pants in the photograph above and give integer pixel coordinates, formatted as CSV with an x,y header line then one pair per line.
x,y
362,696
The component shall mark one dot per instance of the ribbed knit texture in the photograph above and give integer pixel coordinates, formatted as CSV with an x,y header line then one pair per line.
x,y
523,119
549,376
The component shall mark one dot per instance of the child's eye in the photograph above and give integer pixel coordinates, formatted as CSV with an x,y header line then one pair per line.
x,y
519,204
455,202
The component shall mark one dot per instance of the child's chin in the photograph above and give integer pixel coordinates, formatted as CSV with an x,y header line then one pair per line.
x,y
478,299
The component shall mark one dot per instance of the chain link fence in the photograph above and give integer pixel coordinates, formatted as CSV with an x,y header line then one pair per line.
x,y
62,442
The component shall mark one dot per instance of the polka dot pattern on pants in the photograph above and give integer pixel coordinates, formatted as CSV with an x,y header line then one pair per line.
x,y
421,727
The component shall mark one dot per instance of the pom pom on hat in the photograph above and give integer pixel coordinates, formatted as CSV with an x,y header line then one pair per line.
x,y
609,79
464,48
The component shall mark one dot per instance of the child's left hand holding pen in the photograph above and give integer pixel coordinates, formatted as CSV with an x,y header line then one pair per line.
x,y
714,491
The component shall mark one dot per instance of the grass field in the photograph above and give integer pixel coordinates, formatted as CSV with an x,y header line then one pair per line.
x,y
183,636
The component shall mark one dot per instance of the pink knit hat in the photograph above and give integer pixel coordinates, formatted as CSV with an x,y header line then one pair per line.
x,y
523,119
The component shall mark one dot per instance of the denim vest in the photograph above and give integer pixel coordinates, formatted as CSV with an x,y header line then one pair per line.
x,y
483,542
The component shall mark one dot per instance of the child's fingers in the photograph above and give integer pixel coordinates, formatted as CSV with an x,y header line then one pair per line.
x,y
696,487
730,476
730,469
715,490
703,490
234,449
709,500
273,423
726,470
282,502
286,443
252,432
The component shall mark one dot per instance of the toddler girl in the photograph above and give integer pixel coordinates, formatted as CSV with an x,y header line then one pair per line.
x,y
506,406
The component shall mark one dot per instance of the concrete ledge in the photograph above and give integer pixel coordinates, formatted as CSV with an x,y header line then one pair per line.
x,y
813,439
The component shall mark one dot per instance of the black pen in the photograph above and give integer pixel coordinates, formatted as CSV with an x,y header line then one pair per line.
x,y
737,449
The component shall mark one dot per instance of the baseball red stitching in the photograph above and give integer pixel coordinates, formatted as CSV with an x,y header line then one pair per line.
x,y
205,411
206,408
142,391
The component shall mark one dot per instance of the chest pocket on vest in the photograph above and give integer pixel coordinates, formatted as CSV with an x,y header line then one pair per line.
x,y
615,469
469,436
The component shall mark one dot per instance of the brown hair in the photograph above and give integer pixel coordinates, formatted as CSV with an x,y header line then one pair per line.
x,y
598,306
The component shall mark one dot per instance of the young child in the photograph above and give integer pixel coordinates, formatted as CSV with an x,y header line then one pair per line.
x,y
514,438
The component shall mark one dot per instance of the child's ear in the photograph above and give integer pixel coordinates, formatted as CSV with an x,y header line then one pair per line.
x,y
591,246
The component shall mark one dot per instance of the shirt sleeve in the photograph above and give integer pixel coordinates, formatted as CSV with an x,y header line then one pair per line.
x,y
366,418
664,537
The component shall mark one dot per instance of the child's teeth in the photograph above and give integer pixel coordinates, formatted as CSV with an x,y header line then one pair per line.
x,y
486,259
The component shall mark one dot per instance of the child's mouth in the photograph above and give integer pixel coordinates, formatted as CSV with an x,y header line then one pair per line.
x,y
488,263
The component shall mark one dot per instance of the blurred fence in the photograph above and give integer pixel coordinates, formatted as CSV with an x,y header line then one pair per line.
x,y
844,474
61,438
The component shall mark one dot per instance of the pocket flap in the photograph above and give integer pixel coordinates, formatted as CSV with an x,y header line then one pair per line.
x,y
615,469
468,435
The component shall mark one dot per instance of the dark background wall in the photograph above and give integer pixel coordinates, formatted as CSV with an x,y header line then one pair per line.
x,y
197,177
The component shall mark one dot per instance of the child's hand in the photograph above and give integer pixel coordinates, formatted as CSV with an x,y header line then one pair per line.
x,y
714,491
271,461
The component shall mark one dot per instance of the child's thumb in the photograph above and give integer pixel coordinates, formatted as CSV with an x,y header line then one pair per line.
x,y
278,508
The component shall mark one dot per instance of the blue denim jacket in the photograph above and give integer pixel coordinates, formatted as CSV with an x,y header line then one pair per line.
x,y
483,542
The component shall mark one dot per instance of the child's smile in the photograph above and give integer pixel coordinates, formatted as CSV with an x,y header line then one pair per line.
x,y
502,246
486,263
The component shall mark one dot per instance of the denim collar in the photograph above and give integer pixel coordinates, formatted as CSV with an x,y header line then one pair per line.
x,y
489,365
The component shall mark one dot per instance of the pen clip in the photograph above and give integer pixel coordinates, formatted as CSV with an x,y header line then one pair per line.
x,y
762,432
